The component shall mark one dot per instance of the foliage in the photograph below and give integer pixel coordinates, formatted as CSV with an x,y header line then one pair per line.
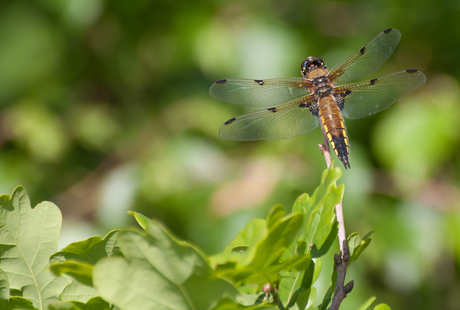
x,y
104,108
28,237
154,269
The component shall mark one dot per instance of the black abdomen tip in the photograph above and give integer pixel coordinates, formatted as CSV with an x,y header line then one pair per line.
x,y
345,161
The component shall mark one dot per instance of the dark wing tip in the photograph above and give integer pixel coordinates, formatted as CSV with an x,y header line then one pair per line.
x,y
387,30
221,81
230,121
411,70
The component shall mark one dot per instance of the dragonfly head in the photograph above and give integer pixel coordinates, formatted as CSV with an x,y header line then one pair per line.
x,y
311,63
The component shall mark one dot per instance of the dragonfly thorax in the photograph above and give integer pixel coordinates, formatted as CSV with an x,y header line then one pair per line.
x,y
322,85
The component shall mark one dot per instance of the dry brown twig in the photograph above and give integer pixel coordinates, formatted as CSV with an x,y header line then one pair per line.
x,y
341,261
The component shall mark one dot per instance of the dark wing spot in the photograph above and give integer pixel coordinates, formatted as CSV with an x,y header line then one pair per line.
x,y
314,108
230,121
259,81
373,81
362,50
387,30
340,98
302,105
411,70
272,109
340,101
221,81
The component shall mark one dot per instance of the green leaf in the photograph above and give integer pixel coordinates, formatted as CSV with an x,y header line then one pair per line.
x,y
298,289
382,307
328,296
4,290
27,239
62,305
318,232
312,296
322,217
249,236
15,292
357,245
76,291
88,251
302,203
317,271
242,248
96,303
227,304
78,258
159,271
275,215
80,271
319,227
141,219
261,262
19,303
367,303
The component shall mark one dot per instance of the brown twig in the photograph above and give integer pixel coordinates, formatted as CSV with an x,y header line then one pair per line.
x,y
341,261
326,154
341,233
341,290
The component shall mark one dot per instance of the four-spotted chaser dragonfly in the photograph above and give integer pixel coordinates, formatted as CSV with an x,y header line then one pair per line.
x,y
295,106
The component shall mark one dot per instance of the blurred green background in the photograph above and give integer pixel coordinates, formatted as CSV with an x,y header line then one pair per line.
x,y
104,108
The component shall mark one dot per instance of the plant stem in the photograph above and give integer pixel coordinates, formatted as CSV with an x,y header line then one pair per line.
x,y
341,233
341,261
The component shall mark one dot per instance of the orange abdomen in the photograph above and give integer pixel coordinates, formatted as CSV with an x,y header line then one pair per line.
x,y
334,127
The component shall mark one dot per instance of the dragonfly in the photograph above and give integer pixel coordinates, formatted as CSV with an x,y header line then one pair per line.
x,y
296,106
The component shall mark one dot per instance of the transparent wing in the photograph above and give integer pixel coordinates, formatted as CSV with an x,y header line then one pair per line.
x,y
367,60
286,121
260,93
366,98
